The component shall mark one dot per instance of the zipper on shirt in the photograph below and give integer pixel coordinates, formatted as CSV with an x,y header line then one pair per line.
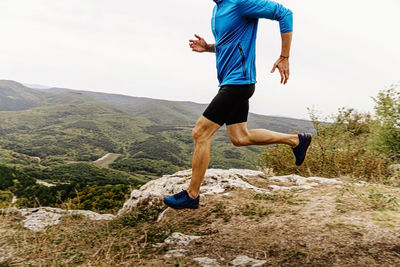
x,y
243,59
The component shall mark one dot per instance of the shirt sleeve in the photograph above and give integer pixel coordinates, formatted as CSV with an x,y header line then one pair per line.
x,y
269,10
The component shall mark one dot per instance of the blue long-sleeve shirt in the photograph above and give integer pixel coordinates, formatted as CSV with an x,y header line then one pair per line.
x,y
234,25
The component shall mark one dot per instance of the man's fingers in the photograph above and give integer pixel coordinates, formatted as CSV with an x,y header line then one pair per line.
x,y
273,68
287,76
282,75
283,68
198,37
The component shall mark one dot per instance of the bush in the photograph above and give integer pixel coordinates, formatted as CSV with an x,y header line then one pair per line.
x,y
339,148
386,131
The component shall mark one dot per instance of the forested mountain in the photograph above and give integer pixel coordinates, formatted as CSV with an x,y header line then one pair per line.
x,y
55,135
68,125
183,112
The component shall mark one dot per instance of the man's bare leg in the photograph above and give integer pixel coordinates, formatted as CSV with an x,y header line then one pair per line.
x,y
241,136
202,133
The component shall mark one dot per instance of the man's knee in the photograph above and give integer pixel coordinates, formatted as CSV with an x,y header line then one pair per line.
x,y
199,132
239,140
204,129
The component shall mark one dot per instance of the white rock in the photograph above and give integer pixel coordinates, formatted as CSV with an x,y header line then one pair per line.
x,y
180,239
244,261
361,183
300,182
394,168
175,253
207,262
217,181
36,219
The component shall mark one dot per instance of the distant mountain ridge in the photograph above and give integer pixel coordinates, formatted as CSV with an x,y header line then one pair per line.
x,y
168,112
15,96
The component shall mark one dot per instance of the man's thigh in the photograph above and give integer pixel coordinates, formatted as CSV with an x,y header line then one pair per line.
x,y
230,99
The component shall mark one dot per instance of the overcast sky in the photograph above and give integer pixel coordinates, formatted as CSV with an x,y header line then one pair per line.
x,y
343,52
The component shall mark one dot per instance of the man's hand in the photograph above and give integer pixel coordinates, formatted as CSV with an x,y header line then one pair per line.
x,y
200,45
283,66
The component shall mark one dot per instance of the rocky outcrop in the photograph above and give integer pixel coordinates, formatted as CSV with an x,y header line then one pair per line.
x,y
218,181
36,219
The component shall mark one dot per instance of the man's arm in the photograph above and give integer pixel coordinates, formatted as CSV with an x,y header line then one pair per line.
x,y
268,10
283,61
273,11
200,45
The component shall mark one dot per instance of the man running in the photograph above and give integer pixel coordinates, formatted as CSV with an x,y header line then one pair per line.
x,y
234,26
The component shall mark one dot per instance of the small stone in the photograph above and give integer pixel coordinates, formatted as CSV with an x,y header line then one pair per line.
x,y
175,253
180,239
244,261
394,167
207,262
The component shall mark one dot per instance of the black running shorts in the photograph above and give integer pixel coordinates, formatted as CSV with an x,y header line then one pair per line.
x,y
230,105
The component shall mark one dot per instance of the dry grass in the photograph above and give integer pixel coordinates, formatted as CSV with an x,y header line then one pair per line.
x,y
325,226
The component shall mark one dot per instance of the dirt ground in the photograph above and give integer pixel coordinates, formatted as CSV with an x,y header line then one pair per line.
x,y
329,225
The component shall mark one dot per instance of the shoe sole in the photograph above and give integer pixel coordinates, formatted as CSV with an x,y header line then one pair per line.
x,y
306,145
181,208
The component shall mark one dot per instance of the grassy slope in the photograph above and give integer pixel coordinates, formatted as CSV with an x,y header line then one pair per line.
x,y
328,226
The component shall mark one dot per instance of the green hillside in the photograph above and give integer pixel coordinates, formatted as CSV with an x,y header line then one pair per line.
x,y
72,126
54,135
15,96
184,113
153,136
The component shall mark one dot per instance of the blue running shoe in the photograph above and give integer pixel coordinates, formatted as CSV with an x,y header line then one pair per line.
x,y
301,150
182,200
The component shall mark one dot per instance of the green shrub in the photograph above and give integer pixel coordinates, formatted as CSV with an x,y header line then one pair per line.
x,y
386,130
339,148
